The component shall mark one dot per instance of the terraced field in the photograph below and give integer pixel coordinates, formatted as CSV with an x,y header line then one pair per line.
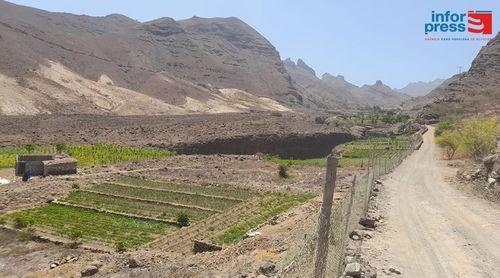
x,y
129,212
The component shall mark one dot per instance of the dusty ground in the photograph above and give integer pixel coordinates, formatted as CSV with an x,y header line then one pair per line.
x,y
236,170
431,228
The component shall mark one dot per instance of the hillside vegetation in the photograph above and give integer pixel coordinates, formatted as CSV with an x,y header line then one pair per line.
x,y
470,138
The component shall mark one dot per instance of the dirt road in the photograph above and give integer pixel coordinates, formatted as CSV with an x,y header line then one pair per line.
x,y
432,229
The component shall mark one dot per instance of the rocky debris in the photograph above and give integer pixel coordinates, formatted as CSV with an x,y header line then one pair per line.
x,y
353,270
89,271
491,181
266,268
133,263
356,235
253,234
394,270
202,246
368,222
68,259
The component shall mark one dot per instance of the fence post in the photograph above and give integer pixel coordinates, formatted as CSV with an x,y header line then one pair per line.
x,y
324,217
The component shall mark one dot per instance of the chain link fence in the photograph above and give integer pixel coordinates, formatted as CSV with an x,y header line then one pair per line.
x,y
349,206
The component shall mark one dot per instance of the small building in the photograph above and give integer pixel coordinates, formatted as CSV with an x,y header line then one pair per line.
x,y
45,165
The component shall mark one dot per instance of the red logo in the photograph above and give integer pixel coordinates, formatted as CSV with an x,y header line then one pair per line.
x,y
480,22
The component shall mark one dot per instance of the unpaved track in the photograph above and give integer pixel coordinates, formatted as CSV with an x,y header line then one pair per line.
x,y
432,229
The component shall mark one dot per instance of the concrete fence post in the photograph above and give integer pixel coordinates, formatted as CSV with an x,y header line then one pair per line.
x,y
325,217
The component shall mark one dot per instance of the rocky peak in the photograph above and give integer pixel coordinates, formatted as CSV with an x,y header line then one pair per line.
x,y
301,64
164,27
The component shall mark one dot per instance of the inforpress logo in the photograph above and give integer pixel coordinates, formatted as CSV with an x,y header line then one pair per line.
x,y
480,22
459,26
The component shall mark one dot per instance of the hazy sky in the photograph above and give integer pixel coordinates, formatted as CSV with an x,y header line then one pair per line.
x,y
363,40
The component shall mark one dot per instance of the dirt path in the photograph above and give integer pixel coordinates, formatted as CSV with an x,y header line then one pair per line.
x,y
431,228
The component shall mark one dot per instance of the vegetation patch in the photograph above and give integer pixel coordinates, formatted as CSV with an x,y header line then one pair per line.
x,y
222,191
162,211
174,197
70,222
356,153
271,204
86,155
473,138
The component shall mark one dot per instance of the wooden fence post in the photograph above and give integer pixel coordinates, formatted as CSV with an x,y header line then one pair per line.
x,y
325,216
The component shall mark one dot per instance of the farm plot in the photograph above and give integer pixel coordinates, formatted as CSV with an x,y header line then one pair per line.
x,y
137,210
75,223
356,153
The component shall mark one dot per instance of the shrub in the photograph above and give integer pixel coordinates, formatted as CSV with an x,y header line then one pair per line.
x,y
449,142
283,171
443,126
320,120
75,186
27,235
29,147
120,246
183,219
477,137
276,114
20,223
61,147
75,234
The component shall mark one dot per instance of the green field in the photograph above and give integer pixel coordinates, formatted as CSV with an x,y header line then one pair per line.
x,y
231,192
112,229
174,197
8,154
271,204
162,211
87,155
356,153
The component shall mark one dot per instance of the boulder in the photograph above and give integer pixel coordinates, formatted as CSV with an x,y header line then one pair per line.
x,y
368,222
133,263
201,247
266,268
353,270
89,271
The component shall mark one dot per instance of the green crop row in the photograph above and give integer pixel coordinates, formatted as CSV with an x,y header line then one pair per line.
x,y
86,155
162,211
174,197
231,192
74,222
271,205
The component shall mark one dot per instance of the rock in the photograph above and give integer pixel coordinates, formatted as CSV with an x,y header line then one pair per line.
x,y
356,235
394,270
489,162
97,264
89,271
349,259
201,247
491,181
266,267
262,276
133,263
54,265
253,234
353,270
368,222
378,182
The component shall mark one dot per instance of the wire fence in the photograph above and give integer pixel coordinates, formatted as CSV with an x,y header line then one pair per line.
x,y
349,206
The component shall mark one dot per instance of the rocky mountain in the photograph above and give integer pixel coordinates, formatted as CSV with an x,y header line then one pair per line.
x,y
335,92
418,89
65,63
475,92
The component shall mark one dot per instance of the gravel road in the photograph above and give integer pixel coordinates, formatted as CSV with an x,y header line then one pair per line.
x,y
431,228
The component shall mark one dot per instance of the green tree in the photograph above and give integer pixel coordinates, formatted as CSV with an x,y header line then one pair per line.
x,y
477,137
448,141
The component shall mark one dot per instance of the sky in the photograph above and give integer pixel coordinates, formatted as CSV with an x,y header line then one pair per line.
x,y
362,40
